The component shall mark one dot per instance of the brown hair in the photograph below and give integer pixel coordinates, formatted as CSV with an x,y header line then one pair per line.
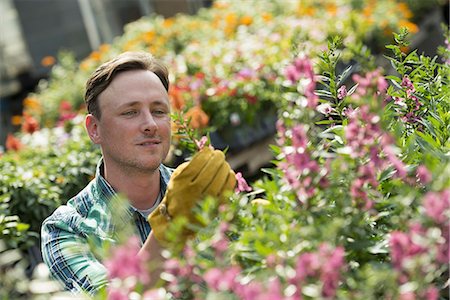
x,y
127,61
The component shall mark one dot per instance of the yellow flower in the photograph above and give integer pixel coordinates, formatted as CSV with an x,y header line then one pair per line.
x,y
148,36
130,45
267,16
168,22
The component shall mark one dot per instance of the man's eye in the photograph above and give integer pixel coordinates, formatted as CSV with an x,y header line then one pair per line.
x,y
159,112
129,113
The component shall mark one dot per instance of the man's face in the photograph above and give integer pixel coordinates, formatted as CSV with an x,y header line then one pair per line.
x,y
134,128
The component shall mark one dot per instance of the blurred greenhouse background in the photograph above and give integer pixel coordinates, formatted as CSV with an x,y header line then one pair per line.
x,y
33,32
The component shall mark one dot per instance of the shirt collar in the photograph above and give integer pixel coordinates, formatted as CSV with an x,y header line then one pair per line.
x,y
106,191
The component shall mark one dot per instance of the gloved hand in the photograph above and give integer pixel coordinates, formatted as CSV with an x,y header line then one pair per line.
x,y
206,174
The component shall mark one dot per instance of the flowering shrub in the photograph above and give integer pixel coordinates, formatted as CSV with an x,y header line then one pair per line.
x,y
356,207
233,82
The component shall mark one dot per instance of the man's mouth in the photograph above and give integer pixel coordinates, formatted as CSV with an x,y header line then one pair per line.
x,y
149,142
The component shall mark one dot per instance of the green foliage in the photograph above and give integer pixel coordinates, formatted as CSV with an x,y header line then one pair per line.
x,y
35,181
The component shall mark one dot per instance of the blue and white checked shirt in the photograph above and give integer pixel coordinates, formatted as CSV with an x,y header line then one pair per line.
x,y
85,221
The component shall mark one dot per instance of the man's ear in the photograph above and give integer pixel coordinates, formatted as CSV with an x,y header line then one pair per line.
x,y
91,123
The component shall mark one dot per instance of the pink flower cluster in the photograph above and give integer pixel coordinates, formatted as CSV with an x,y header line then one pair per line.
x,y
125,269
403,245
437,206
408,251
366,139
372,82
412,102
301,73
124,262
300,170
324,265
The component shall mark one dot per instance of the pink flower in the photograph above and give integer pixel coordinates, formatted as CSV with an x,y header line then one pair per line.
x,y
222,280
396,162
325,108
407,296
342,92
403,247
437,206
249,291
242,185
432,293
125,262
212,278
299,138
423,175
292,74
399,243
154,294
382,84
302,69
200,144
117,294
406,82
324,265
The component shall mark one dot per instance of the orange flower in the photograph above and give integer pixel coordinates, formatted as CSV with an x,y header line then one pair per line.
x,y
16,120
31,103
403,7
246,20
13,143
368,10
104,48
231,19
48,61
198,118
95,55
413,28
176,98
404,49
85,65
331,9
29,124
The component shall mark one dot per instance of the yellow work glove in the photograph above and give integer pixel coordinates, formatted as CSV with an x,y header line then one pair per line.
x,y
207,173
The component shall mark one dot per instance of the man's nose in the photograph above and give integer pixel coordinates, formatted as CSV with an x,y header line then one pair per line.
x,y
148,124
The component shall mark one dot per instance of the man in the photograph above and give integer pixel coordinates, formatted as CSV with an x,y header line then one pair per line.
x,y
129,118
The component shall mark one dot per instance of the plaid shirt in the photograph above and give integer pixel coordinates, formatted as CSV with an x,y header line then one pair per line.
x,y
87,221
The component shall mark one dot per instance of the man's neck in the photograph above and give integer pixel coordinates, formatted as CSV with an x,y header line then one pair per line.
x,y
141,189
